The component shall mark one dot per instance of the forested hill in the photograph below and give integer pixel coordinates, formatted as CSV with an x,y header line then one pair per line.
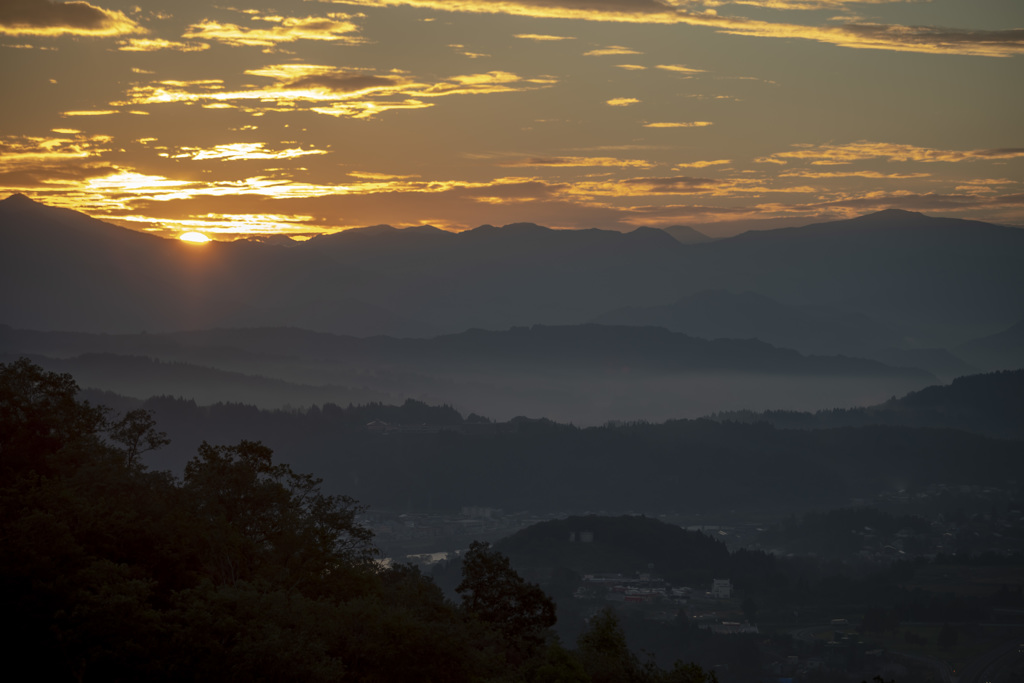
x,y
595,544
243,570
544,466
991,404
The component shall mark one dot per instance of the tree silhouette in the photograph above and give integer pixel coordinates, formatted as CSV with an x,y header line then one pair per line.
x,y
493,592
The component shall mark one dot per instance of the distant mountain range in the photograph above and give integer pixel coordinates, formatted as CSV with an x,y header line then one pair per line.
x,y
1004,349
746,315
582,373
989,404
895,278
538,349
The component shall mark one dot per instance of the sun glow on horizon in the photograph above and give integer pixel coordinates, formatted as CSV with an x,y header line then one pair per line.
x,y
194,237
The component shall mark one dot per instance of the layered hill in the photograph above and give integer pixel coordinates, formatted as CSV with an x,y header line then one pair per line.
x,y
584,373
1005,349
747,315
542,349
990,404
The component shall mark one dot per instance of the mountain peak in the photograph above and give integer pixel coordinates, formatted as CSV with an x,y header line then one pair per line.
x,y
684,234
525,227
19,199
893,214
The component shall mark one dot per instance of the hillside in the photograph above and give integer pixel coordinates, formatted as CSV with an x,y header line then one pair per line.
x,y
684,466
1005,349
618,545
989,404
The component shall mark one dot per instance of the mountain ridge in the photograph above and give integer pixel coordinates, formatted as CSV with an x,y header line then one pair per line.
x,y
936,284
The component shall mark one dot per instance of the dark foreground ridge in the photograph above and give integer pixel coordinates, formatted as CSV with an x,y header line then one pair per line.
x,y
241,570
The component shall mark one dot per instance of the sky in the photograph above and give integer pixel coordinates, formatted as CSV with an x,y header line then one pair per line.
x,y
307,116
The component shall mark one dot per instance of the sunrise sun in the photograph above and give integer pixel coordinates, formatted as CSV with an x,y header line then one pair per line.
x,y
196,237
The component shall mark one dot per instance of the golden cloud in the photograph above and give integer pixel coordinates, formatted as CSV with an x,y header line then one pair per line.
x,y
47,18
677,185
622,101
541,37
89,112
155,44
705,164
330,91
234,224
611,51
679,68
926,201
830,155
854,174
678,124
467,53
241,206
637,11
927,39
808,4
241,151
576,162
20,152
335,28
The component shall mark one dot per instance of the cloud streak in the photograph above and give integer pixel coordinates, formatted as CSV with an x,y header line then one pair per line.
x,y
833,155
851,34
335,28
242,151
329,91
47,18
576,162
156,44
678,124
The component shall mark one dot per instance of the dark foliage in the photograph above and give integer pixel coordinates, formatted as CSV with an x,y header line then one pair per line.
x,y
242,571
